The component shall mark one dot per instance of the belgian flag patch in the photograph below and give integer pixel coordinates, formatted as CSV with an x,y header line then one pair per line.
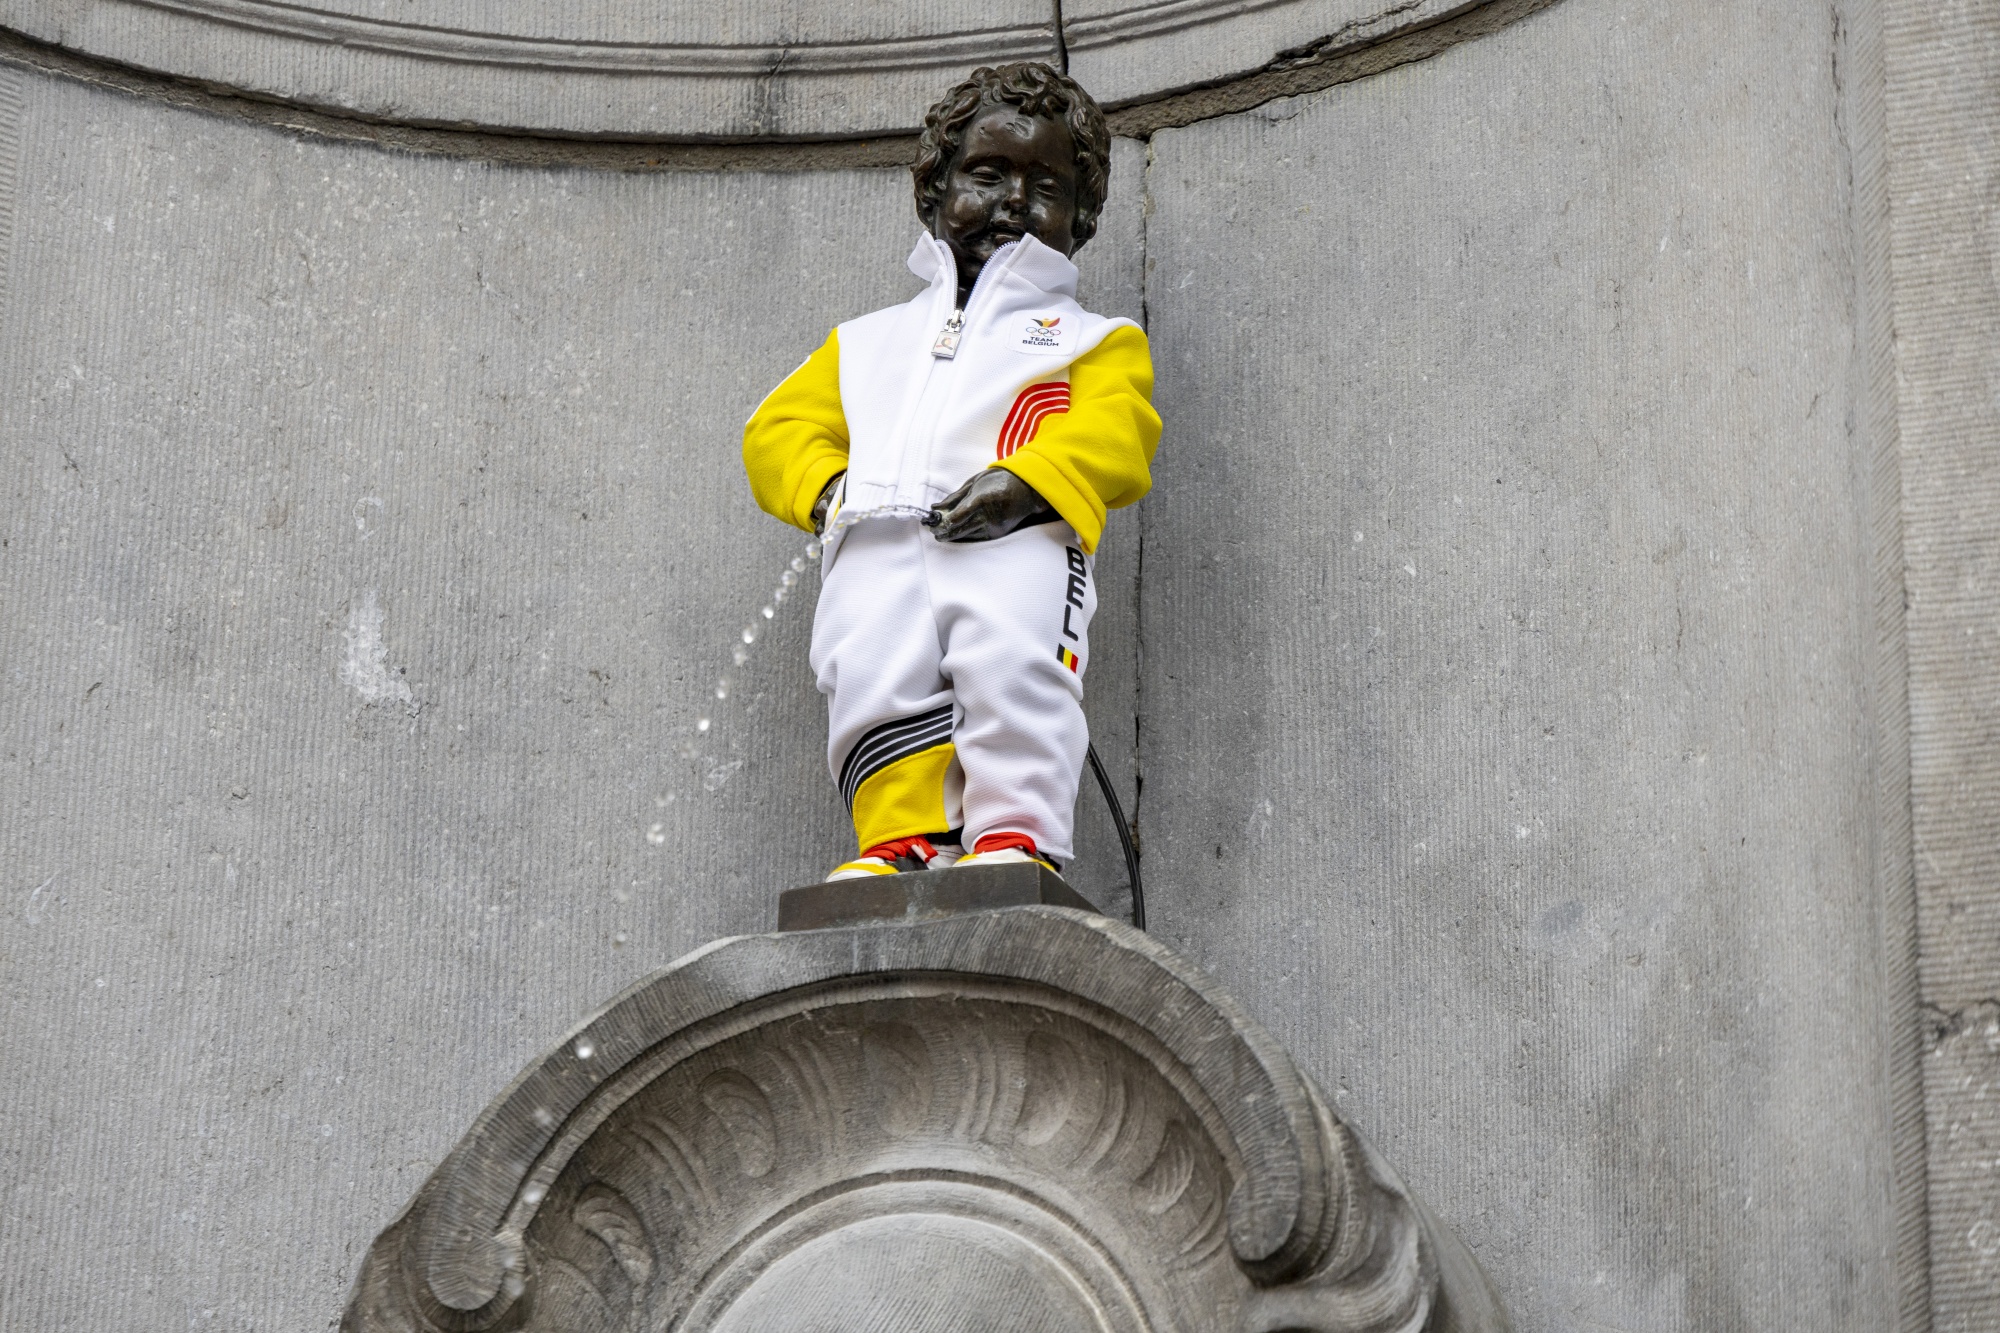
x,y
1066,657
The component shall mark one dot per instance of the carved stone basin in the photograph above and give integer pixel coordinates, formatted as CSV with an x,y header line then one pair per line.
x,y
1025,1119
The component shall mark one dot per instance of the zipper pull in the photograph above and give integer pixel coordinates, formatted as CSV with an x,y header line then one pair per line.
x,y
946,346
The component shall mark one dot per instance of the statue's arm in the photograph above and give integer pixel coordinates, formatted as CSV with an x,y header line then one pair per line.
x,y
1098,455
795,443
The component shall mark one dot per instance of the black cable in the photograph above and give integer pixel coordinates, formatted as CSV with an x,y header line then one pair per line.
x,y
1124,837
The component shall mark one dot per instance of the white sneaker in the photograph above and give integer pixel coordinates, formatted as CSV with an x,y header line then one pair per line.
x,y
894,858
861,867
1003,856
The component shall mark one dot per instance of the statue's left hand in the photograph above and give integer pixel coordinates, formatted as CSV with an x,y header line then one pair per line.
x,y
994,503
825,502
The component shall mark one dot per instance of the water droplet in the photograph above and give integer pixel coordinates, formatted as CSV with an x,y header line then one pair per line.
x,y
620,940
813,548
584,1050
656,834
780,594
326,1131
721,773
102,983
722,689
545,1117
789,577
798,564
740,656
534,1194
749,634
701,724
768,612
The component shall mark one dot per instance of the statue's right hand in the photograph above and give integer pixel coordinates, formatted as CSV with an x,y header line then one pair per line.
x,y
825,501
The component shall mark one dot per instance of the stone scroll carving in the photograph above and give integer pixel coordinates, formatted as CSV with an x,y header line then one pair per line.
x,y
1033,1119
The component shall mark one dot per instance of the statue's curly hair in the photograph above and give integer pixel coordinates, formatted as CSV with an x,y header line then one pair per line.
x,y
1037,90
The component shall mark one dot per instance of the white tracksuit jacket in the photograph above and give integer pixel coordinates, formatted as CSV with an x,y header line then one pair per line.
x,y
953,671
919,425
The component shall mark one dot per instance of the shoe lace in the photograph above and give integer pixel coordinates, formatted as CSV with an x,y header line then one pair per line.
x,y
997,842
907,850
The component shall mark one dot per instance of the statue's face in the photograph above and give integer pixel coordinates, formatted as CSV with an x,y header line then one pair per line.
x,y
1014,176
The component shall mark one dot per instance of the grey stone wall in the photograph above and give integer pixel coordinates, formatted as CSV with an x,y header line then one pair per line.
x,y
1512,652
374,540
1507,572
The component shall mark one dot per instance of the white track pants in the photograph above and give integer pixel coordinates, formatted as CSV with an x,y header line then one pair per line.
x,y
953,673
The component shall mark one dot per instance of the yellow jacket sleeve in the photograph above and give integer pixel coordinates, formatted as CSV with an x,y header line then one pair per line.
x,y
796,440
1096,456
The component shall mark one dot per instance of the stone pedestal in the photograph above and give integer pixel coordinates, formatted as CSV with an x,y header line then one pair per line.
x,y
925,897
1032,1118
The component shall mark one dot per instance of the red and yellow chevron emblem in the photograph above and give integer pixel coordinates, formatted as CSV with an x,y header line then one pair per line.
x,y
1025,417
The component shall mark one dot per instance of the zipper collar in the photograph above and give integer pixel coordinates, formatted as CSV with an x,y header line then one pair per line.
x,y
1026,259
946,346
994,271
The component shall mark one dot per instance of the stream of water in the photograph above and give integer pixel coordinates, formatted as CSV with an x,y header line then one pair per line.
x,y
700,743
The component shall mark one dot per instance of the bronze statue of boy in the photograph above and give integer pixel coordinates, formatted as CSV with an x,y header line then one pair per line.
x,y
959,453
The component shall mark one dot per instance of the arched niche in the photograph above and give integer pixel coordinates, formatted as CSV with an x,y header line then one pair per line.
x,y
744,71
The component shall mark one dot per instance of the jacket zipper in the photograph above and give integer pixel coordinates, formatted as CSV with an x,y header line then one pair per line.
x,y
946,346
953,330
907,426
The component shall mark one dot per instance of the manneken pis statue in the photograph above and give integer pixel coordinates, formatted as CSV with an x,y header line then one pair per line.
x,y
958,453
